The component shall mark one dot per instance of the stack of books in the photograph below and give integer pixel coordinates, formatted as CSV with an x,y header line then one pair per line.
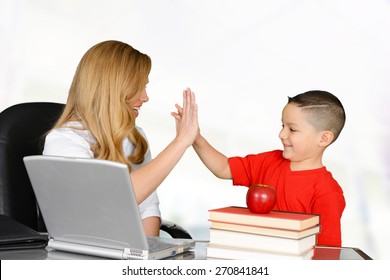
x,y
237,233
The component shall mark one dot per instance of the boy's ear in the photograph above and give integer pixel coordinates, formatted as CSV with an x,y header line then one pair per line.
x,y
326,138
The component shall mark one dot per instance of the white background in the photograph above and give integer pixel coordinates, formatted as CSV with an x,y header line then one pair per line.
x,y
242,59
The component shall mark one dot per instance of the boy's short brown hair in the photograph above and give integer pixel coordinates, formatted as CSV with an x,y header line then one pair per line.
x,y
324,110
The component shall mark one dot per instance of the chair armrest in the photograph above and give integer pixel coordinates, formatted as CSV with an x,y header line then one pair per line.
x,y
174,230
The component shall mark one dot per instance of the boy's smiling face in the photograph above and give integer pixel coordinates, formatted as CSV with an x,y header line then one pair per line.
x,y
301,141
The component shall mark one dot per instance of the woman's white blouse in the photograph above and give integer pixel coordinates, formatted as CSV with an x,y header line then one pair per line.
x,y
71,142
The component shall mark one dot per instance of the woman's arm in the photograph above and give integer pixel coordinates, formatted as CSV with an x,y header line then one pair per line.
x,y
147,178
152,225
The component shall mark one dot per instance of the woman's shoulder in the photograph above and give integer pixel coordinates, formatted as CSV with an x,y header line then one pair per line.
x,y
69,140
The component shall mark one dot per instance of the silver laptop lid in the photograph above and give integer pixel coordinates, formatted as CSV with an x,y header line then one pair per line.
x,y
77,188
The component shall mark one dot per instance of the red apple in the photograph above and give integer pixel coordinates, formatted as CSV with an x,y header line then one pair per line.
x,y
261,199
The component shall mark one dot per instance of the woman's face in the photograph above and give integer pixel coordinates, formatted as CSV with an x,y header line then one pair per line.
x,y
137,104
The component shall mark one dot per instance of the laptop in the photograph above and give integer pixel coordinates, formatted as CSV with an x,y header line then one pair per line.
x,y
89,207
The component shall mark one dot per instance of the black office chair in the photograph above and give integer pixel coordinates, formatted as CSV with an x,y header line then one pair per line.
x,y
21,130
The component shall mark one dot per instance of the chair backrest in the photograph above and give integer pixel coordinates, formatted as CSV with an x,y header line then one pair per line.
x,y
22,127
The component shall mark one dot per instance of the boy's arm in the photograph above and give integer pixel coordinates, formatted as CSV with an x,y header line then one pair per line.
x,y
215,161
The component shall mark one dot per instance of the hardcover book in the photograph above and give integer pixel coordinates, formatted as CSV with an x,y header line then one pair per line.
x,y
262,242
274,219
296,234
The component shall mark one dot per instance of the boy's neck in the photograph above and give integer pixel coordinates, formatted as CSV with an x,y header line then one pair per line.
x,y
310,163
305,165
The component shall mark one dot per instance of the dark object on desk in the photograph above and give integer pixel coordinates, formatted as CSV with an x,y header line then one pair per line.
x,y
22,129
339,253
14,235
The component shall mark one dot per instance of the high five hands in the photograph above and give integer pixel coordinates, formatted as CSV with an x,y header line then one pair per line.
x,y
186,118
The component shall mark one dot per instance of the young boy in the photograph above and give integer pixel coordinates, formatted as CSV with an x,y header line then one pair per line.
x,y
311,121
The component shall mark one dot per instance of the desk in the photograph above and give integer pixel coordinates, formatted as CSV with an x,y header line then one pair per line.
x,y
320,253
198,253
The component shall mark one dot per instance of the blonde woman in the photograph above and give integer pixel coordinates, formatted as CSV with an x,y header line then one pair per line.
x,y
105,98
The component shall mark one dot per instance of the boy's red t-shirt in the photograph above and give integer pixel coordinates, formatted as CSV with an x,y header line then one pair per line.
x,y
309,191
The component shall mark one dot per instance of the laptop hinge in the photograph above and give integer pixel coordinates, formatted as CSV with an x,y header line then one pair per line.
x,y
134,254
85,249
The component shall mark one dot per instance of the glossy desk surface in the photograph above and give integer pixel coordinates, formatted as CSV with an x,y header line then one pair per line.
x,y
198,253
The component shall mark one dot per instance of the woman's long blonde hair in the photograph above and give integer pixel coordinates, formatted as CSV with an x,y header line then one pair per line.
x,y
110,75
